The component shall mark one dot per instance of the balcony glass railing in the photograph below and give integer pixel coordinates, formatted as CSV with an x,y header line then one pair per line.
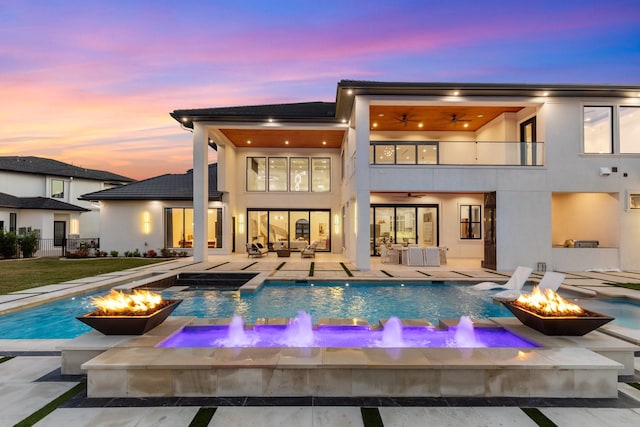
x,y
485,153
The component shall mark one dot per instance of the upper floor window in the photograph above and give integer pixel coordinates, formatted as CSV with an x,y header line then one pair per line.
x,y
321,174
403,153
57,188
629,129
598,125
294,174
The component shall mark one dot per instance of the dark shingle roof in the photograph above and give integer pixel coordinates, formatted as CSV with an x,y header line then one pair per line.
x,y
9,201
163,187
40,165
302,111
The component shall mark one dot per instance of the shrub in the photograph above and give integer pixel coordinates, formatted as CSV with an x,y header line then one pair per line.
x,y
127,254
167,253
151,253
28,244
8,244
114,253
136,253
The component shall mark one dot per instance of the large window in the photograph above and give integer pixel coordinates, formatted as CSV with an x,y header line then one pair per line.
x,y
290,229
179,227
403,224
629,129
57,188
256,174
403,153
598,135
299,174
277,174
294,174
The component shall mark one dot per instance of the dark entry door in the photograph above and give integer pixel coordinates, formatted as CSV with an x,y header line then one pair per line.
x,y
59,232
490,242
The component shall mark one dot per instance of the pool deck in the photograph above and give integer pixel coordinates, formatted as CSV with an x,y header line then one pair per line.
x,y
33,377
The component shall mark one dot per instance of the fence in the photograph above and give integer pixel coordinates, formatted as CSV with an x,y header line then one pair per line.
x,y
60,247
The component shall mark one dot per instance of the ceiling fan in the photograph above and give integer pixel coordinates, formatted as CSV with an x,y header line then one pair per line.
x,y
456,118
404,119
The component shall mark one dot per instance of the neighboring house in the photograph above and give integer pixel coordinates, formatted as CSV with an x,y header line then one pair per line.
x,y
43,194
505,174
155,213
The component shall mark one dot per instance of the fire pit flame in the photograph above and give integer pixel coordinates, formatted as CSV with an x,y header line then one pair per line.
x,y
548,303
117,303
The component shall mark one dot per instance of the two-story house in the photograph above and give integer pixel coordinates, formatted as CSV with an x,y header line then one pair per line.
x,y
504,174
43,194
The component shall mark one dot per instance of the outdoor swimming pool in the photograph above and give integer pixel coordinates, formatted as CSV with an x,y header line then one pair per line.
x,y
371,301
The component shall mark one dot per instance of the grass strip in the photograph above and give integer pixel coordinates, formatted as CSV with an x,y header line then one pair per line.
x,y
388,274
312,268
346,270
203,417
281,265
635,385
51,406
634,286
5,358
18,275
538,417
424,274
371,417
218,265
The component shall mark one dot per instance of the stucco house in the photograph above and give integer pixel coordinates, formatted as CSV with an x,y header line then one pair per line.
x,y
43,194
504,174
156,213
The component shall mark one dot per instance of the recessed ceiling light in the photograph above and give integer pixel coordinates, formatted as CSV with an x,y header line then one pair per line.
x,y
248,141
480,116
270,120
420,125
324,142
545,94
349,91
456,93
466,125
344,120
184,119
375,125
286,142
381,115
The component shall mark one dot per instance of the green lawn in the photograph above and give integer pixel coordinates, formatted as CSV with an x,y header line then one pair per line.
x,y
16,275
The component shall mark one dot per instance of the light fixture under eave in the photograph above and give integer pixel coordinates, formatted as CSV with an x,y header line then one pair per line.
x,y
240,224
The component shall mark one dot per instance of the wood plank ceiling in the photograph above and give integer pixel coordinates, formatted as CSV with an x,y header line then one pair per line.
x,y
382,118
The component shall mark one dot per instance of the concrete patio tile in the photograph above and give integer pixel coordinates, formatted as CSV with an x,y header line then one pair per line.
x,y
454,417
580,417
271,416
140,417
21,369
19,400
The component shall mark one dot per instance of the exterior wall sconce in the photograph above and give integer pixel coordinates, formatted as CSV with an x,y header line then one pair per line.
x,y
74,226
336,224
146,223
241,224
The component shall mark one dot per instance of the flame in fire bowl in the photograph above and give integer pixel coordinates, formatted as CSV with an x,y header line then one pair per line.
x,y
128,314
549,313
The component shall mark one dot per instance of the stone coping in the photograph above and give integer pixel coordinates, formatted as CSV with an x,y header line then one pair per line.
x,y
557,352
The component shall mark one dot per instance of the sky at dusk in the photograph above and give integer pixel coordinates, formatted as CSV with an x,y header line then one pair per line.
x,y
92,83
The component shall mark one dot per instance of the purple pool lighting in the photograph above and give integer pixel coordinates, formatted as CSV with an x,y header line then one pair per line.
x,y
300,333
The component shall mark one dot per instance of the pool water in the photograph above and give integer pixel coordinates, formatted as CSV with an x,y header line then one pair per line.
x,y
371,301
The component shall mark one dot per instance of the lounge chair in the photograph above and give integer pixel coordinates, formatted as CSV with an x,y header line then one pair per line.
x,y
551,280
309,251
256,249
512,287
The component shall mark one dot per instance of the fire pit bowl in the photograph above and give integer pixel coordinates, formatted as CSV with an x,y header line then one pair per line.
x,y
559,325
128,324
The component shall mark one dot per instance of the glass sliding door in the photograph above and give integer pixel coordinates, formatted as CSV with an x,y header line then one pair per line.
x,y
403,224
290,229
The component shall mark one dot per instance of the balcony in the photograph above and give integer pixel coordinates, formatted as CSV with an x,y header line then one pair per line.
x,y
457,153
